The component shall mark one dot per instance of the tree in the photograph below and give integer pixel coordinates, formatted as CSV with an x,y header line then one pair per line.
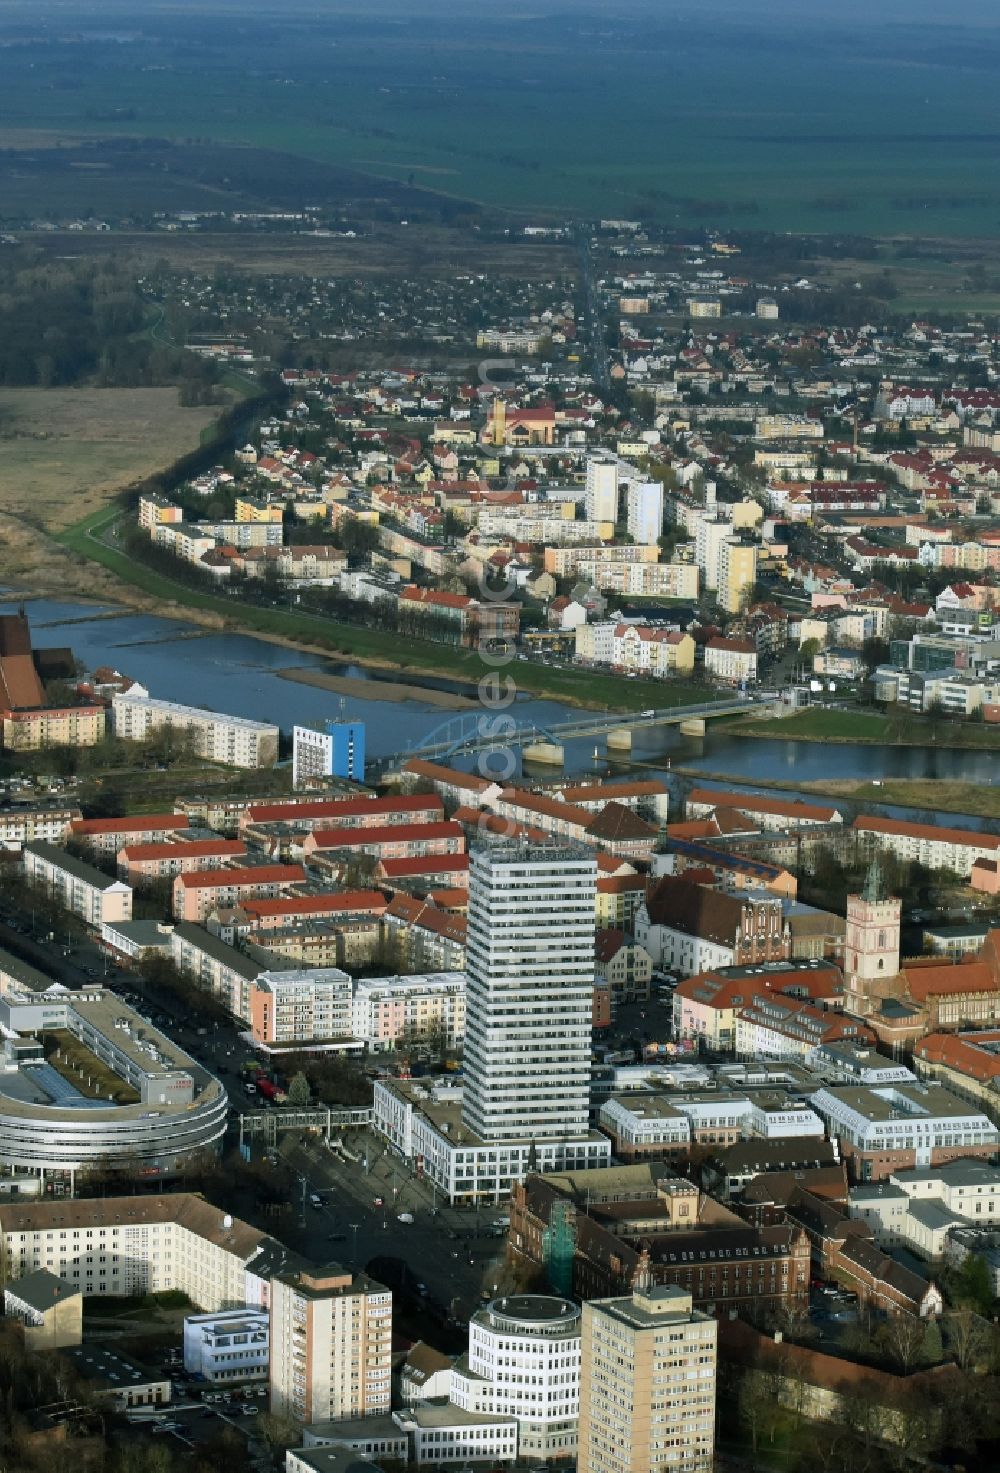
x,y
972,1287
968,1338
903,1338
299,1092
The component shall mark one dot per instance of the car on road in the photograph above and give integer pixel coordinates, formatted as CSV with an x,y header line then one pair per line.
x,y
315,1200
404,1216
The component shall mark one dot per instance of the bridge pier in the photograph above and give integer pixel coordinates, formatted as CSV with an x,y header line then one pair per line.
x,y
619,739
549,753
693,726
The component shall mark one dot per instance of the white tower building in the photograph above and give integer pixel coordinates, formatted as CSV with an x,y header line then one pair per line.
x,y
602,489
524,1362
645,511
530,964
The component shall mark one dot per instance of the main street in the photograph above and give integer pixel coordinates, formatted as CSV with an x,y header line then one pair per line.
x,y
452,1252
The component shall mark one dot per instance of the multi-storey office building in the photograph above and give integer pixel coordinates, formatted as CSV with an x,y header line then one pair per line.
x,y
524,1361
530,958
647,1389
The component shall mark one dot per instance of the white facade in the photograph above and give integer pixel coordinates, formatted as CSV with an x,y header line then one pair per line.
x,y
232,740
301,1006
231,1346
645,511
78,887
915,1117
530,958
679,951
601,501
385,1009
126,1246
524,1362
425,1128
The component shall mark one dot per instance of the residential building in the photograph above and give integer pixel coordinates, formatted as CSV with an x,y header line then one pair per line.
x,y
215,966
232,740
336,749
647,1385
625,965
707,1006
105,836
601,496
20,823
731,660
737,573
932,845
307,1007
644,503
767,812
78,887
197,894
331,1345
144,864
388,1012
80,725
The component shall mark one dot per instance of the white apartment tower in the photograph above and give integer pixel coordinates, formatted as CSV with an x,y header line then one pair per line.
x,y
602,489
647,1385
645,511
530,964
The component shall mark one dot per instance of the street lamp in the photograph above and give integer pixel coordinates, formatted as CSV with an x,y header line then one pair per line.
x,y
354,1247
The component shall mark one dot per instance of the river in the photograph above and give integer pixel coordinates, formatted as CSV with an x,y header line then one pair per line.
x,y
239,674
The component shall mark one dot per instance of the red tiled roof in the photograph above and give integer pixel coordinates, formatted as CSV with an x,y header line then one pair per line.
x,y
195,848
873,824
264,874
426,864
754,803
143,823
306,905
339,808
385,834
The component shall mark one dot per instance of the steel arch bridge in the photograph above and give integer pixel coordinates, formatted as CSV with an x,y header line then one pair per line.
x,y
478,731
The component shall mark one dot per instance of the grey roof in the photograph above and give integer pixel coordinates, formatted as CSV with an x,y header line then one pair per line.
x,y
877,1191
12,968
953,1174
218,950
143,933
52,854
114,1372
336,1459
42,1290
933,1214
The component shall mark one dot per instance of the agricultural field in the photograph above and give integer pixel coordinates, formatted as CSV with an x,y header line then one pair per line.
x,y
770,117
66,452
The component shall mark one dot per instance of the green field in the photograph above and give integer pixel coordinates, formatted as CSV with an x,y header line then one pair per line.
x,y
372,646
900,729
753,115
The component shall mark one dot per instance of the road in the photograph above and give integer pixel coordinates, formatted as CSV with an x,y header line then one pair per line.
x,y
448,1249
600,364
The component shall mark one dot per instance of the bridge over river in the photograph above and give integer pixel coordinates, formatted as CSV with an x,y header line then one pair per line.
x,y
490,730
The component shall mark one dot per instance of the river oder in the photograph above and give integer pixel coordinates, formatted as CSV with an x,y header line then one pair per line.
x,y
239,674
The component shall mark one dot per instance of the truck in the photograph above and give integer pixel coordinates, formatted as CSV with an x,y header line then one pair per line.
x,y
270,1091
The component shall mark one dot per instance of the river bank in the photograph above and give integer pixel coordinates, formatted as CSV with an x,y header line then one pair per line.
x,y
931,795
866,728
379,690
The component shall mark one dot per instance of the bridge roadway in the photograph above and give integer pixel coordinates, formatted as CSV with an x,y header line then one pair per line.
x,y
593,724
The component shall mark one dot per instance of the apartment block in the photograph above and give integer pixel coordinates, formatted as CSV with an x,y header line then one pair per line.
x,y
22,823
647,1387
301,1006
331,1346
196,895
78,887
105,836
53,726
387,1010
142,864
232,740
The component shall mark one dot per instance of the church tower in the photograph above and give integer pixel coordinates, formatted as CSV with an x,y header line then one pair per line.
x,y
871,952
